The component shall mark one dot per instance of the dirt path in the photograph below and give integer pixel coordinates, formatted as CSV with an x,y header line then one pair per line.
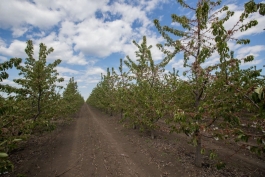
x,y
88,147
98,150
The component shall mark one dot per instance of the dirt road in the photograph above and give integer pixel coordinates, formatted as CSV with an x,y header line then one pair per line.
x,y
99,150
88,147
95,144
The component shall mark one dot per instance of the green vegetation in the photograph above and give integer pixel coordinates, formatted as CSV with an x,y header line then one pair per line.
x,y
36,104
223,101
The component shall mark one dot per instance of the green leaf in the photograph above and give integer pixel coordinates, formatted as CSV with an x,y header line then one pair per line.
x,y
259,91
217,39
3,155
262,9
16,140
212,155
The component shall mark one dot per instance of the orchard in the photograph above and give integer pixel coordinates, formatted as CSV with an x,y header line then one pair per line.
x,y
221,101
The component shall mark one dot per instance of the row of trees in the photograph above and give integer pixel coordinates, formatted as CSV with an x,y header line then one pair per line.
x,y
36,103
222,101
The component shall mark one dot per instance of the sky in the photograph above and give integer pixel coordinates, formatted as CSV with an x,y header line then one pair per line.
x,y
91,35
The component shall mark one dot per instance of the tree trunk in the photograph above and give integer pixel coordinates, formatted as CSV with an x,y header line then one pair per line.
x,y
38,106
198,155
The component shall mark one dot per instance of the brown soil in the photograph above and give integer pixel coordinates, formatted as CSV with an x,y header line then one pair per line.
x,y
96,144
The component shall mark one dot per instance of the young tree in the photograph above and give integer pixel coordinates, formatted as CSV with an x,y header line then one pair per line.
x,y
5,109
102,95
72,99
4,75
203,35
146,89
35,103
39,80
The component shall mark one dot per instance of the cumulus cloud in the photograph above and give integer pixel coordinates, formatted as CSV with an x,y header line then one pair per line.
x,y
65,52
75,11
2,58
16,14
2,43
178,64
79,33
175,24
152,4
66,70
95,71
96,38
249,50
252,63
15,49
17,32
36,35
11,83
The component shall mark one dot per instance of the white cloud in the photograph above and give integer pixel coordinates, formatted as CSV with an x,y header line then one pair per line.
x,y
129,50
17,14
67,32
36,35
66,70
152,4
2,58
178,64
66,80
129,13
252,63
15,49
76,11
214,59
96,38
175,24
83,87
92,80
249,50
233,46
80,33
10,82
17,32
254,30
238,10
62,50
2,43
95,71
157,55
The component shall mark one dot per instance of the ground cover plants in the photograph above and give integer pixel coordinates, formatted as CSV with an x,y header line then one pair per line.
x,y
222,101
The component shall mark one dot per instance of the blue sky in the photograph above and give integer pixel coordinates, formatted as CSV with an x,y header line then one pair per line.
x,y
91,35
